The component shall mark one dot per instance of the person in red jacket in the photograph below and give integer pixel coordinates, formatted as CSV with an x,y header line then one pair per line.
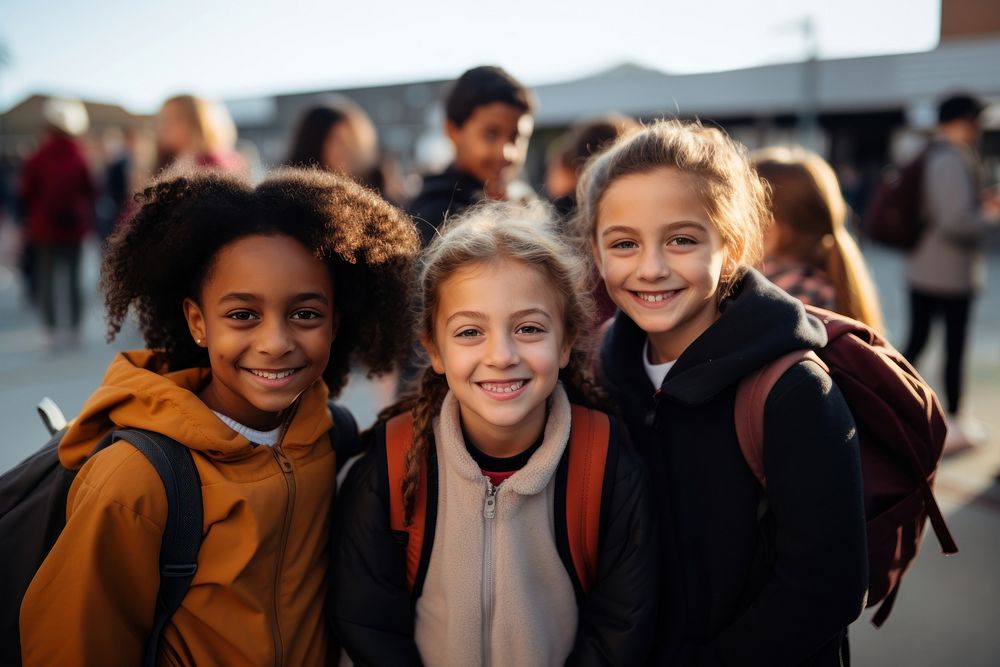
x,y
58,194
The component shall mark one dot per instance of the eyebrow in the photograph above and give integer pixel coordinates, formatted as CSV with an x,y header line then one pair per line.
x,y
246,297
680,224
476,315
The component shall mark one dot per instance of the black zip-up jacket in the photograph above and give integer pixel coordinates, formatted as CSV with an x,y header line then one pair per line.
x,y
739,590
373,611
443,196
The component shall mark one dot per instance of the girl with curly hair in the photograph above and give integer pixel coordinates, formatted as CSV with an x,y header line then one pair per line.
x,y
252,301
485,450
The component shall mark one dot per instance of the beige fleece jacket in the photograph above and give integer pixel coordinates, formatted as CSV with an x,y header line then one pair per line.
x,y
496,591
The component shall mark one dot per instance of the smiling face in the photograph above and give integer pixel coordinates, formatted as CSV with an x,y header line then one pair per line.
x,y
500,349
490,145
266,315
661,257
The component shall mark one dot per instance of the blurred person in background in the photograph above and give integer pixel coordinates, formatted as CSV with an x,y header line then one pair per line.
x,y
564,162
191,131
337,136
488,120
567,155
808,251
58,196
947,268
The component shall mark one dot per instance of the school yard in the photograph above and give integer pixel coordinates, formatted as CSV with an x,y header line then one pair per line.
x,y
947,610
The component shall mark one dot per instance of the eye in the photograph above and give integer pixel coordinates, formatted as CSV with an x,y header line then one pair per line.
x,y
530,329
467,333
306,315
624,244
241,315
682,240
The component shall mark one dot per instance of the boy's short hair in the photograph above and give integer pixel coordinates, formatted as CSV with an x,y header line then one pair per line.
x,y
959,107
484,85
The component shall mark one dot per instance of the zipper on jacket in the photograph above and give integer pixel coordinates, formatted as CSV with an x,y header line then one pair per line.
x,y
489,512
288,472
650,417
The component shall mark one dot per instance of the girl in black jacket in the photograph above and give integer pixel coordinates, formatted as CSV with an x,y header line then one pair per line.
x,y
674,217
492,443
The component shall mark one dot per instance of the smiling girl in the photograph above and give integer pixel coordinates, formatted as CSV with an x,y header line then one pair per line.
x,y
252,302
492,430
673,215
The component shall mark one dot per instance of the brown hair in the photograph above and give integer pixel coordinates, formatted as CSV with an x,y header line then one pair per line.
x,y
732,194
497,231
807,205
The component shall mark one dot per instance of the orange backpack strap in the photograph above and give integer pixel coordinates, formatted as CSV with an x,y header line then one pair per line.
x,y
588,454
751,395
398,440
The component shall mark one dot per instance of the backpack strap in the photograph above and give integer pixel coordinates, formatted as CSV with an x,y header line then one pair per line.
x,y
183,531
398,440
588,454
751,395
344,438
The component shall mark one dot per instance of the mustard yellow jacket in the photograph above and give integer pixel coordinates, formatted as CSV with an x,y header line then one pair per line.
x,y
257,597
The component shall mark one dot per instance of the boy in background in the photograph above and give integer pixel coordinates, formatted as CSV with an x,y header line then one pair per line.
x,y
488,119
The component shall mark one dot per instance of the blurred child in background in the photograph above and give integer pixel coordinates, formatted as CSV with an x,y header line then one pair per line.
x,y
808,251
489,122
195,132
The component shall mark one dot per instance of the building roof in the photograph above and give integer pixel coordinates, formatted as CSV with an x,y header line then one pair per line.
x,y
872,83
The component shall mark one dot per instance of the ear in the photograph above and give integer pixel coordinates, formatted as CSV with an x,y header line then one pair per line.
x,y
432,352
196,322
452,130
566,350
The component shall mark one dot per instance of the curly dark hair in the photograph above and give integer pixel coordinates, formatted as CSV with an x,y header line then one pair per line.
x,y
163,254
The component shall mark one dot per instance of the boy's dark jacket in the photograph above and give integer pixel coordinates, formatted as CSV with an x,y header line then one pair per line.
x,y
442,196
373,611
738,590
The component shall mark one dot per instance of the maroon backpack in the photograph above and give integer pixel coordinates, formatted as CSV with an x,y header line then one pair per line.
x,y
895,217
901,433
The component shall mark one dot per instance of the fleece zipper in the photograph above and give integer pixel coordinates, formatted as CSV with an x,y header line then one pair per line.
x,y
489,513
288,473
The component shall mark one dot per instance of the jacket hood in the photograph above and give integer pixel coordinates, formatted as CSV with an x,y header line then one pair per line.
x,y
139,391
757,324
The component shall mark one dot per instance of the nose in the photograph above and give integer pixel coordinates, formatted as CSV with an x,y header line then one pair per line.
x,y
651,265
274,338
502,352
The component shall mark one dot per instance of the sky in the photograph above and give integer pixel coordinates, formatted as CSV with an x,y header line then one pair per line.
x,y
138,53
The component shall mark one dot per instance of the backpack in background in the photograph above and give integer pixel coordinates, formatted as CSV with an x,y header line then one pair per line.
x,y
33,514
901,432
895,214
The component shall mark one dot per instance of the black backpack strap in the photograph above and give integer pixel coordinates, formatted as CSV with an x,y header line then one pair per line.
x,y
344,436
183,532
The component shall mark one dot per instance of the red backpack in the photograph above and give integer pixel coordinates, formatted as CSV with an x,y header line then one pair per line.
x,y
895,217
901,433
588,453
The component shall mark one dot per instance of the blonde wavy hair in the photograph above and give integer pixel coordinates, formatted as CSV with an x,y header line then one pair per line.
x,y
811,214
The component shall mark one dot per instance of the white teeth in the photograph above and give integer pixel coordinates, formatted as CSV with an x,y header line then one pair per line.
x,y
506,388
271,375
653,297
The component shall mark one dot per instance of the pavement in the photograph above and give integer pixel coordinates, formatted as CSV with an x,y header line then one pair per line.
x,y
948,608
